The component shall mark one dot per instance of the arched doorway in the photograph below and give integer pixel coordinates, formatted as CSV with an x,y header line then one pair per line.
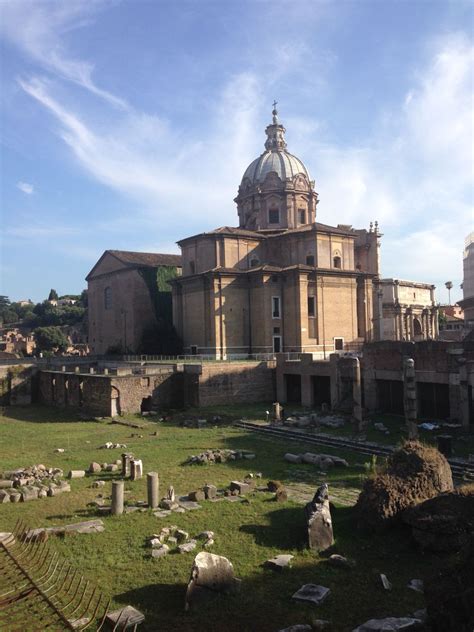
x,y
417,329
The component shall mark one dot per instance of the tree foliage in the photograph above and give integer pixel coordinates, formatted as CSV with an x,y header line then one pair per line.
x,y
50,339
53,295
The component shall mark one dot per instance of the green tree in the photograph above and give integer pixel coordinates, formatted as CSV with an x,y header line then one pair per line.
x,y
53,295
50,339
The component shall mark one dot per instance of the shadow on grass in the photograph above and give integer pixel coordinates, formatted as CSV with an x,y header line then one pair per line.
x,y
39,413
287,529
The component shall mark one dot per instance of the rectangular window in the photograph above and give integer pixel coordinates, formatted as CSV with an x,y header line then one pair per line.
x,y
302,215
339,344
273,216
192,267
276,331
275,306
311,306
310,260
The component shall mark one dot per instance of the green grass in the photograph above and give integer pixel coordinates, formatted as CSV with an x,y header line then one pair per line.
x,y
247,533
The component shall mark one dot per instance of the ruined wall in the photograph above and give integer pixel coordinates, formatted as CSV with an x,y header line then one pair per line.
x,y
165,390
17,384
230,383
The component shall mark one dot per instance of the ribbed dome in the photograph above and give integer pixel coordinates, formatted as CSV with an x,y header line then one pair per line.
x,y
282,162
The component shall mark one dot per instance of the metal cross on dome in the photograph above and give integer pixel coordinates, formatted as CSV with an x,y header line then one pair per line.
x,y
275,103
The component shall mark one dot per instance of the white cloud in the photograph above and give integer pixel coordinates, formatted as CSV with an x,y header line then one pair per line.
x,y
37,28
27,188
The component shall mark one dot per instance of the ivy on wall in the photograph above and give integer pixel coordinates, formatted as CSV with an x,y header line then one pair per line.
x,y
160,291
162,338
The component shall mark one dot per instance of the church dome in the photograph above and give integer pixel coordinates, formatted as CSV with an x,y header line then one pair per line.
x,y
276,157
282,162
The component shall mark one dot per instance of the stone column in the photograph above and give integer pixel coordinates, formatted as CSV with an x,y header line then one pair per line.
x,y
126,459
153,489
117,498
276,411
136,469
409,397
356,394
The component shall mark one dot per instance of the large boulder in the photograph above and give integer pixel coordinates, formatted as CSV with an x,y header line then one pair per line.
x,y
414,473
319,522
450,596
444,523
210,574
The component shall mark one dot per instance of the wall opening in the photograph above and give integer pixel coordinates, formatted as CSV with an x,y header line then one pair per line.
x,y
433,400
147,404
293,388
115,402
390,396
321,389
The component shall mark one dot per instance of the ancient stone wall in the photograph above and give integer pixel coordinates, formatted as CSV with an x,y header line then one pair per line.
x,y
231,383
17,384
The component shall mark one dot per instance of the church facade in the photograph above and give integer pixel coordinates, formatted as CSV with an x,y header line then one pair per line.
x,y
280,281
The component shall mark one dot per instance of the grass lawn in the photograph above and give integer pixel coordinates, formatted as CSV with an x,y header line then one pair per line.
x,y
118,561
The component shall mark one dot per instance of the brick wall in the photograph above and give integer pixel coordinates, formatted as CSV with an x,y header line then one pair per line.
x,y
230,383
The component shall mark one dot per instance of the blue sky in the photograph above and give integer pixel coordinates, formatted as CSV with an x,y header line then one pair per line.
x,y
128,125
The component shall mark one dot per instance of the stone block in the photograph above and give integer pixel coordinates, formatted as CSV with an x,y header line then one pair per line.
x,y
240,487
76,474
29,493
210,574
95,468
197,495
312,592
210,491
319,522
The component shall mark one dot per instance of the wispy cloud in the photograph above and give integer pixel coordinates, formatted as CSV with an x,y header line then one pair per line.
x,y
27,188
37,28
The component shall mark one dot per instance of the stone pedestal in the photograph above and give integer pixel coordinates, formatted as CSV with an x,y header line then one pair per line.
x,y
136,469
318,517
277,411
153,489
117,498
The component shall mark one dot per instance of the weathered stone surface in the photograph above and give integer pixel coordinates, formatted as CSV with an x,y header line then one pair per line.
x,y
181,536
160,551
95,468
197,495
240,487
219,456
414,473
88,526
312,592
281,495
210,574
15,497
443,523
187,547
4,496
29,493
293,458
318,518
112,467
125,618
136,469
4,484
162,514
97,484
210,491
117,498
189,505
166,503
279,562
389,624
76,474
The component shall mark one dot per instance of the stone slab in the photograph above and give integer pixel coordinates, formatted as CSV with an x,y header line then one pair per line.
x,y
312,592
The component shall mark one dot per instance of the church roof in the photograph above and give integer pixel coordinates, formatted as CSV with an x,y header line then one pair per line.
x,y
147,259
137,260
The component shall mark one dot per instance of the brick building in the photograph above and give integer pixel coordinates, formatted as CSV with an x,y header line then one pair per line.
x,y
127,293
280,281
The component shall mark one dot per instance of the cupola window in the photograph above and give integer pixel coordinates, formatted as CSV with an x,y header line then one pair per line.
x,y
273,216
310,260
336,262
302,215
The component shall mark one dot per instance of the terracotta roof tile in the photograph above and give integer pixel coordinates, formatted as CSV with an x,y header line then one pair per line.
x,y
148,259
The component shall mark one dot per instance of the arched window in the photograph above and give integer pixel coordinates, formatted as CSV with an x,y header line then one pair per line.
x,y
108,298
302,215
336,262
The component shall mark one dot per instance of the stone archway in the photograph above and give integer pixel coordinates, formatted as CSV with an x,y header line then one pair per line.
x,y
417,329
